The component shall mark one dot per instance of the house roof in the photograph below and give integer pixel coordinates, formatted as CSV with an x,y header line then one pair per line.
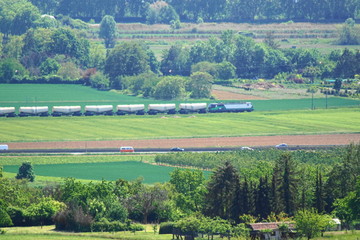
x,y
268,225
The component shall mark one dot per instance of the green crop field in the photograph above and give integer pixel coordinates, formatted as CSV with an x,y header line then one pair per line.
x,y
96,171
321,121
16,95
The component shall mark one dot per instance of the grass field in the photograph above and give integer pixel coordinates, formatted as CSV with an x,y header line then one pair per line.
x,y
47,232
325,121
93,167
16,95
109,171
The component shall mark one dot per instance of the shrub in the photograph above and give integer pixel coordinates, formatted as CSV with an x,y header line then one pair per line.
x,y
73,219
104,225
5,220
166,228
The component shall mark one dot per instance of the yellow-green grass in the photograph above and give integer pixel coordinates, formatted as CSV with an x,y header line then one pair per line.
x,y
322,121
48,232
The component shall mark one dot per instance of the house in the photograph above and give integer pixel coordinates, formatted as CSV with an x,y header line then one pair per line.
x,y
272,230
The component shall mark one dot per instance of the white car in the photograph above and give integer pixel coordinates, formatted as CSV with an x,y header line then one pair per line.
x,y
281,145
247,148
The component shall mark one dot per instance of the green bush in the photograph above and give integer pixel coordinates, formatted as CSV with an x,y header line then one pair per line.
x,y
115,226
166,228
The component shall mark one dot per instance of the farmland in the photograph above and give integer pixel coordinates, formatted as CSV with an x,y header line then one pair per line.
x,y
342,120
110,171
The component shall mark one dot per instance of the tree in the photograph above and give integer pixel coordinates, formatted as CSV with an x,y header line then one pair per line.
x,y
9,69
200,85
147,200
17,16
222,189
69,71
175,61
49,66
348,208
319,193
309,223
43,211
349,33
108,31
189,189
225,70
26,171
99,81
286,181
170,87
126,59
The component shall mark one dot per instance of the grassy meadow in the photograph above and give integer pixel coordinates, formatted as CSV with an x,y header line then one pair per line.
x,y
48,232
321,121
110,171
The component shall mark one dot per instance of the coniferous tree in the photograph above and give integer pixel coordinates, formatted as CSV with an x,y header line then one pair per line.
x,y
319,194
222,188
263,201
287,182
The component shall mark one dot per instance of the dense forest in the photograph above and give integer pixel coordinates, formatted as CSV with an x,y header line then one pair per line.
x,y
208,10
244,187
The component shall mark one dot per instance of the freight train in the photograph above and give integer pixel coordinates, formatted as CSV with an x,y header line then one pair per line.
x,y
138,109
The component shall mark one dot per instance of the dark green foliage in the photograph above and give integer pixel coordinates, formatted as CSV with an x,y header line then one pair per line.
x,y
26,171
17,16
126,59
222,189
319,193
108,31
342,178
11,69
170,87
166,228
49,66
5,220
175,61
114,226
286,181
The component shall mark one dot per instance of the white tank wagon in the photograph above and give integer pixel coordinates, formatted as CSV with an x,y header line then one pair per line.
x,y
192,108
41,111
7,112
169,108
138,109
58,111
98,110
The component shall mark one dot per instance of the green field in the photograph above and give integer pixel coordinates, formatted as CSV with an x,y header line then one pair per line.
x,y
16,95
325,121
109,171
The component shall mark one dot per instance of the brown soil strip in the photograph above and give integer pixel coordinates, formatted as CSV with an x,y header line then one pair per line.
x,y
335,139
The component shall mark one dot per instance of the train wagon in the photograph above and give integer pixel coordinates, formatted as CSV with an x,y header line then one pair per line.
x,y
185,108
138,109
7,112
230,107
169,108
58,111
42,111
98,110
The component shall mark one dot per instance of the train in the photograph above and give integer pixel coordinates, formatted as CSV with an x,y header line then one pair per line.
x,y
126,109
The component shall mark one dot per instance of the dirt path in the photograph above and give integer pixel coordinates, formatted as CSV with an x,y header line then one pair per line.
x,y
336,139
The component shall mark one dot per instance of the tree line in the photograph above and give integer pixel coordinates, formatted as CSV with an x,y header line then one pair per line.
x,y
208,10
284,190
43,49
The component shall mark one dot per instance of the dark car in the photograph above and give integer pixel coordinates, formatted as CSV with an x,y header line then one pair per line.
x,y
177,149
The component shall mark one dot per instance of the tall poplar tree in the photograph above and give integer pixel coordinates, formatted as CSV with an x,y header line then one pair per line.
x,y
108,31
